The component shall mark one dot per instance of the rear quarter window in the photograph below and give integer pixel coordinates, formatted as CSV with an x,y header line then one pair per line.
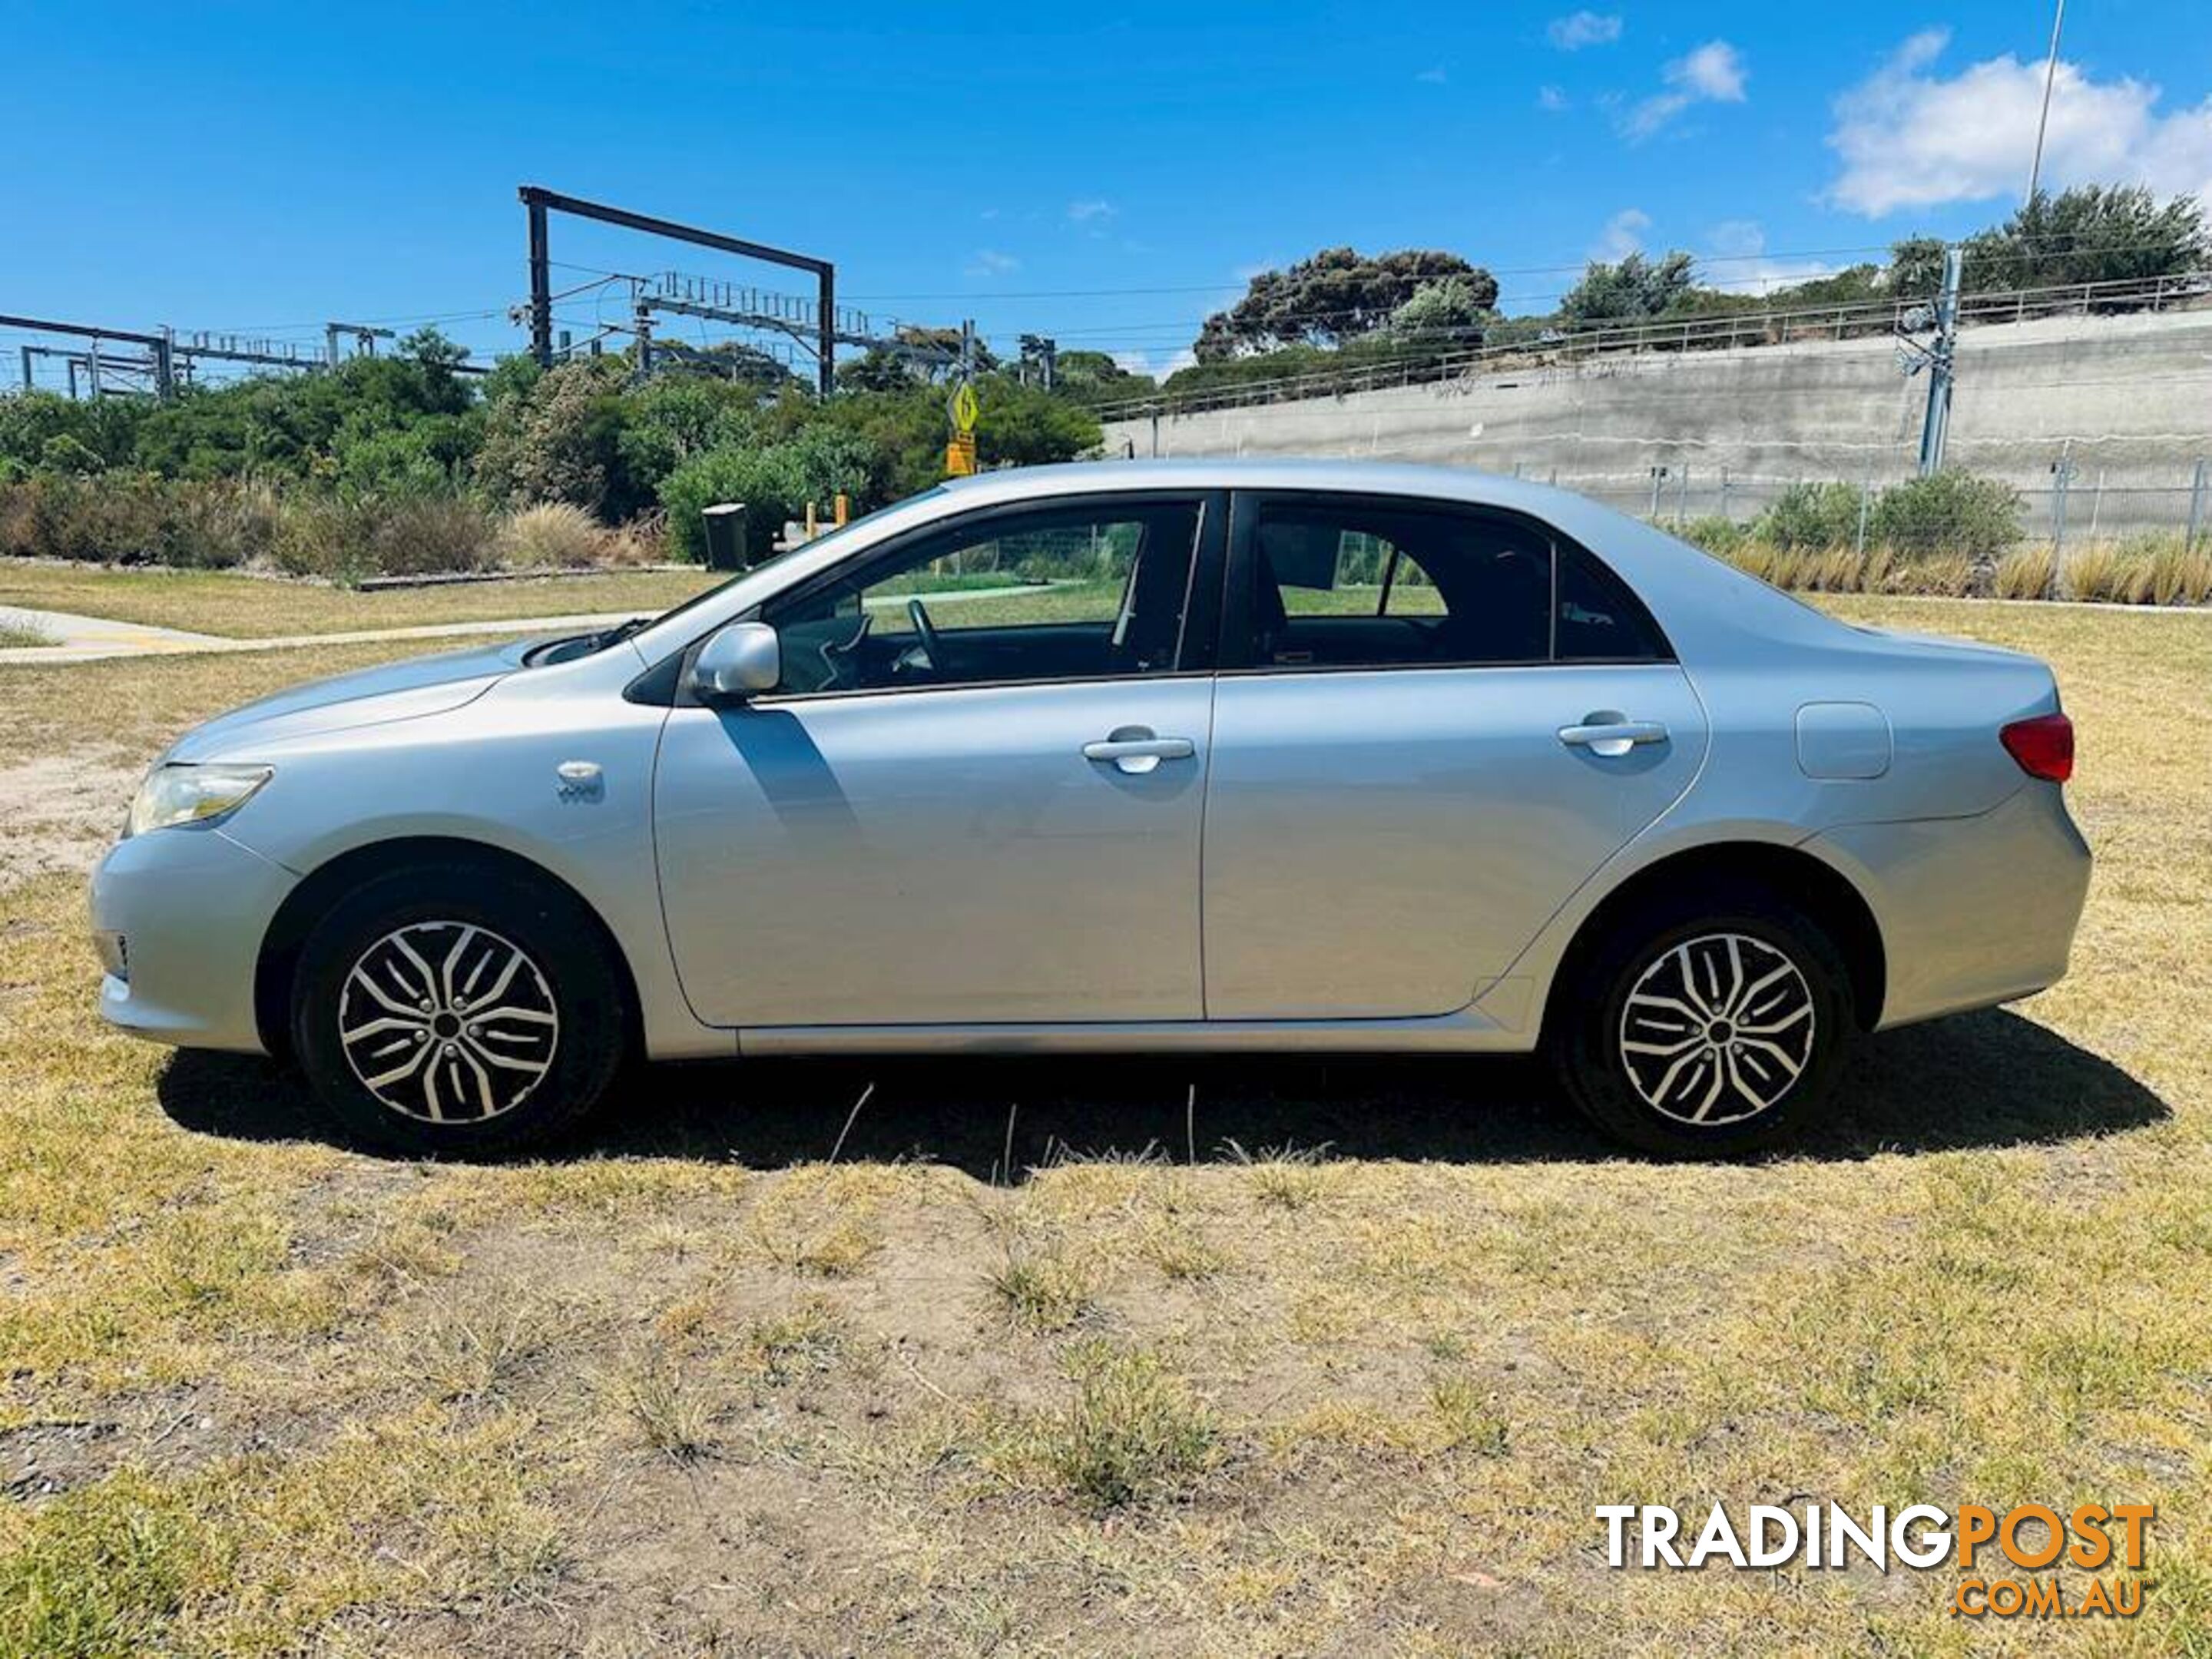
x,y
1599,619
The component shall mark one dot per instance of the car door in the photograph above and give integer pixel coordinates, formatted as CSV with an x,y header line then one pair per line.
x,y
1432,725
977,797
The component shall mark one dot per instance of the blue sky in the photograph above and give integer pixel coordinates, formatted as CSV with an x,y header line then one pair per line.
x,y
1105,174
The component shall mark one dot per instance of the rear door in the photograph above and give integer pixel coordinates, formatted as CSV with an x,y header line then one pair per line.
x,y
1432,725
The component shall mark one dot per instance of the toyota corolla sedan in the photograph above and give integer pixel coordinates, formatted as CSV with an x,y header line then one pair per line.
x,y
1208,756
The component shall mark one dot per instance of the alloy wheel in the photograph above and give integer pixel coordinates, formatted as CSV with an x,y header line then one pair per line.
x,y
1717,1030
447,1022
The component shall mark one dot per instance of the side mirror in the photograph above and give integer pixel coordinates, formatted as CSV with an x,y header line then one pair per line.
x,y
743,658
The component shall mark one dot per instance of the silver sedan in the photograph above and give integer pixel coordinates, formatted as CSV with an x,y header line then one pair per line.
x,y
1213,755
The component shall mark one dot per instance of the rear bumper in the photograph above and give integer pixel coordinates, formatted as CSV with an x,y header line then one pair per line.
x,y
1973,911
179,916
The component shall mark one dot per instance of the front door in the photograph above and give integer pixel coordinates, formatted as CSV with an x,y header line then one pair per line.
x,y
1432,725
976,798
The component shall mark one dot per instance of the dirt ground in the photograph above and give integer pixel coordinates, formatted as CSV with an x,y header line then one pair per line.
x,y
1134,1357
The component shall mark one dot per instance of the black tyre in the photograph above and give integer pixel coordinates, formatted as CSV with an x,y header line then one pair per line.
x,y
1706,1025
458,1013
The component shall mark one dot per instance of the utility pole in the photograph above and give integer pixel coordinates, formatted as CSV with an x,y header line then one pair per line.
x,y
2043,121
1940,358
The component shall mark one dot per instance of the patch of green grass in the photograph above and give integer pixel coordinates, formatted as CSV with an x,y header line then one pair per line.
x,y
1135,1431
17,633
1041,1290
104,1571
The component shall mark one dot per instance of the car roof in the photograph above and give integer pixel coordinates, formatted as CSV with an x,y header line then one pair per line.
x,y
1454,483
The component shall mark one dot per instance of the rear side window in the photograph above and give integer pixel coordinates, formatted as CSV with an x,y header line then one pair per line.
x,y
1361,583
1351,584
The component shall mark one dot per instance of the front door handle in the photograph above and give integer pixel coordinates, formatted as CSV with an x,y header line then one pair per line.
x,y
1135,749
1610,734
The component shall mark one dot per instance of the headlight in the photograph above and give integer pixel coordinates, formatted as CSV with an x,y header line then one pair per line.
x,y
191,794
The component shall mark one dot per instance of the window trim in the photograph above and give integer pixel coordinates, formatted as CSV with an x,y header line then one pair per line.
x,y
1237,630
1196,649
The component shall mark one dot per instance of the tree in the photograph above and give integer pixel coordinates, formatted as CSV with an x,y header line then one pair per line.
x,y
1450,311
1635,288
1336,294
2090,234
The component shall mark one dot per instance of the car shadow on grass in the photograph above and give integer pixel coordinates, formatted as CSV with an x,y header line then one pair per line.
x,y
1980,1081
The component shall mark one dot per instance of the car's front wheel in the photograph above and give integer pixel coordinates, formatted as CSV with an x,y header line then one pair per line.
x,y
1706,1025
434,1013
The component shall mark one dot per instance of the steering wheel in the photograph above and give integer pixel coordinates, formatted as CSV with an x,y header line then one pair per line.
x,y
933,647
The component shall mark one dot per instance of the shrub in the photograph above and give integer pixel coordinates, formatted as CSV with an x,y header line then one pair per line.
x,y
1807,515
424,535
552,535
1715,534
131,518
1948,512
344,538
774,482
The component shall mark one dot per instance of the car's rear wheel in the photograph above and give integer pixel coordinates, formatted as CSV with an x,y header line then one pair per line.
x,y
437,1014
1706,1025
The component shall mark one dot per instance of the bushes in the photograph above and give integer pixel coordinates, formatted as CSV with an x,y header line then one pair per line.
x,y
344,538
774,482
1947,512
131,517
1811,515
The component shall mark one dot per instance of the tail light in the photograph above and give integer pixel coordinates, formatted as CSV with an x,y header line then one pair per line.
x,y
2044,746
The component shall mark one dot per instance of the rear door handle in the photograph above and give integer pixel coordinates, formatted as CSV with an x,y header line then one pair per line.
x,y
1136,751
1611,734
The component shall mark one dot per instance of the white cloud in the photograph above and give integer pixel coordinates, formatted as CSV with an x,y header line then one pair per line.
x,y
1738,260
1908,136
1713,74
1550,99
1086,212
989,262
1432,77
1140,362
1584,28
1623,233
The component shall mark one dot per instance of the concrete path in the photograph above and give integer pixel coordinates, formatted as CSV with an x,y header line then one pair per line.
x,y
92,639
95,639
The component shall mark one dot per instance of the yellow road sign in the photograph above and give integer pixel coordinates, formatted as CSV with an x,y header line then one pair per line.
x,y
960,456
961,407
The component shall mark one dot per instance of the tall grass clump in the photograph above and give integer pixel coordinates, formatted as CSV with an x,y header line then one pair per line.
x,y
551,536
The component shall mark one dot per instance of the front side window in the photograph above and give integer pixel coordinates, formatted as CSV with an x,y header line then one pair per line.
x,y
1062,593
1354,583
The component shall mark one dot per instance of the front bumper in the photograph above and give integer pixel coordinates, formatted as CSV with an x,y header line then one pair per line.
x,y
178,916
1973,911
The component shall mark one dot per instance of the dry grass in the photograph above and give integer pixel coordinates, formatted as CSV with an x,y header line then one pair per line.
x,y
699,1390
247,607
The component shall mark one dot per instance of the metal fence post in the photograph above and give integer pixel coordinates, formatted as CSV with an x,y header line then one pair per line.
x,y
2062,474
2196,507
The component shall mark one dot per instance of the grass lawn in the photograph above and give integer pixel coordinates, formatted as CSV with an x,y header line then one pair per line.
x,y
1350,1381
243,607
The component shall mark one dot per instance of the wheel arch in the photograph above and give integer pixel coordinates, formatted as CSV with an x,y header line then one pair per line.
x,y
1822,891
307,902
